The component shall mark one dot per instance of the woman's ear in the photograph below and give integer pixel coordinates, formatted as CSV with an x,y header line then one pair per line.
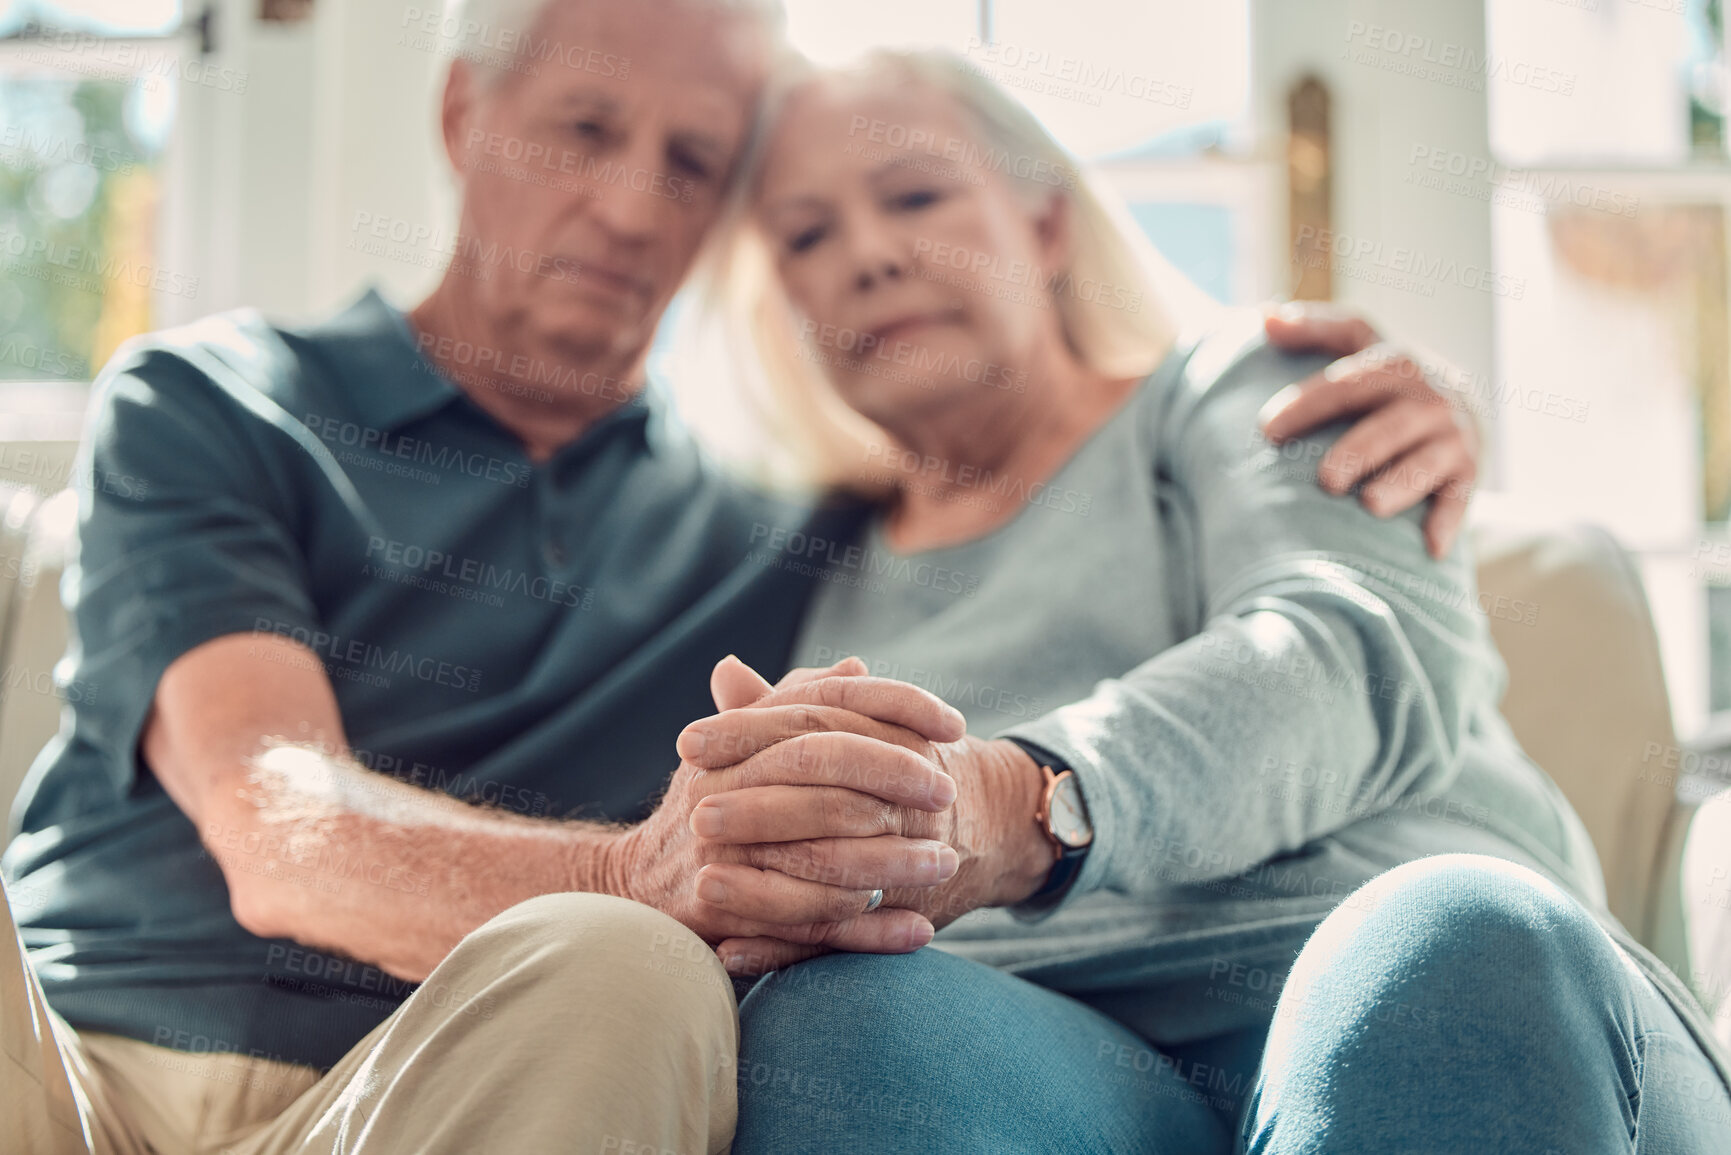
x,y
1054,225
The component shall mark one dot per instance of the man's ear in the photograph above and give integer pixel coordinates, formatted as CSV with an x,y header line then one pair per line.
x,y
462,88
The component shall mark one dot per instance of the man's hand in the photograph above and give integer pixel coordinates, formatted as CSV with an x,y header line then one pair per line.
x,y
808,832
1410,442
856,737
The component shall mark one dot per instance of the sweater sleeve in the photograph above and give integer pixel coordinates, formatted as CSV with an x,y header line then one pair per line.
x,y
1336,669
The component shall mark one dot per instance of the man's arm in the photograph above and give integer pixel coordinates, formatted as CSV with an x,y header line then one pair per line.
x,y
246,738
178,568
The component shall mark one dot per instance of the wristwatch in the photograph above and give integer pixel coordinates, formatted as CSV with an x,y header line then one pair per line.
x,y
1063,818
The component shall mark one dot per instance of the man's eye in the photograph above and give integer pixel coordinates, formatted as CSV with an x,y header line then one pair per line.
x,y
691,164
590,130
805,239
918,199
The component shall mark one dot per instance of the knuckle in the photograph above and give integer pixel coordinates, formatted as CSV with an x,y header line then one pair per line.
x,y
805,719
852,814
835,812
920,824
767,856
735,741
804,754
878,816
800,860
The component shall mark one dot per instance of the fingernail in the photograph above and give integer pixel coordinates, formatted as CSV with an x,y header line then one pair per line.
x,y
1272,406
943,790
948,863
692,742
919,934
711,890
707,821
736,964
1289,312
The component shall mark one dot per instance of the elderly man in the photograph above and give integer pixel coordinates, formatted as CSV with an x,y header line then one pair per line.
x,y
382,569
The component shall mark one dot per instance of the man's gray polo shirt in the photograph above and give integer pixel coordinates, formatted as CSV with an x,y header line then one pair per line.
x,y
527,636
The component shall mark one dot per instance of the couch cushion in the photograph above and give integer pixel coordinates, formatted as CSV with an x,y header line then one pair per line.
x,y
1586,694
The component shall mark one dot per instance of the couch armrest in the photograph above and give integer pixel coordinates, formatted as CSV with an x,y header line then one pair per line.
x,y
38,537
1703,895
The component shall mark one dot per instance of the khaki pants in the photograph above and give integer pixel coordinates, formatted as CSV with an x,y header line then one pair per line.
x,y
595,1024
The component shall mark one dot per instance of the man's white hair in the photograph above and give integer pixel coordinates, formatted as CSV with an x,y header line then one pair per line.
x,y
470,21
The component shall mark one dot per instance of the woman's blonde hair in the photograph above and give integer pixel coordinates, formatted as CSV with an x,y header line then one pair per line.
x,y
740,327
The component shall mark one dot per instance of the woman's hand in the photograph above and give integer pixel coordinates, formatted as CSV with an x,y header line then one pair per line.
x,y
860,737
1412,440
994,854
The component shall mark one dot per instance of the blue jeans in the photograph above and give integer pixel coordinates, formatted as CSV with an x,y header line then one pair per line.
x,y
1454,1004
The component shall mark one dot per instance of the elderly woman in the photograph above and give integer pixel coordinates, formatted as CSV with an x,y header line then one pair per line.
x,y
1303,890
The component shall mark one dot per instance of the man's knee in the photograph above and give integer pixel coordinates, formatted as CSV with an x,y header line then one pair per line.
x,y
593,922
598,946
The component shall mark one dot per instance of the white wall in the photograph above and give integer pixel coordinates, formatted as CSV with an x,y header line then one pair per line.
x,y
1380,116
1404,91
337,118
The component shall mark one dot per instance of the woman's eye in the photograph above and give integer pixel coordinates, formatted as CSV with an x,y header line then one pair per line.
x,y
592,130
804,239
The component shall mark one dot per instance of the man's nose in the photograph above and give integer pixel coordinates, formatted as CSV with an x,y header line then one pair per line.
x,y
630,199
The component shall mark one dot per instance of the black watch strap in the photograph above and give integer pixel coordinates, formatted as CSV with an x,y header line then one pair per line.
x,y
1070,859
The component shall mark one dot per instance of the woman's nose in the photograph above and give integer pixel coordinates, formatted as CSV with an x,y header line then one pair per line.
x,y
880,268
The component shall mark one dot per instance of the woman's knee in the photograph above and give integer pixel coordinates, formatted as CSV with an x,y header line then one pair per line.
x,y
928,1051
1473,991
909,1020
839,994
1457,931
1473,905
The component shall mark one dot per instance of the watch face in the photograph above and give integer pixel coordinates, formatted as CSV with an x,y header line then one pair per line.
x,y
1069,817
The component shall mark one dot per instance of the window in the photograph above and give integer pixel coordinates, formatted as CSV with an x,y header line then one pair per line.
x,y
1609,201
85,116
1149,90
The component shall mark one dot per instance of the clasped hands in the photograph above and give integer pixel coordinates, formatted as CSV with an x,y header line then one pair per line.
x,y
797,801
